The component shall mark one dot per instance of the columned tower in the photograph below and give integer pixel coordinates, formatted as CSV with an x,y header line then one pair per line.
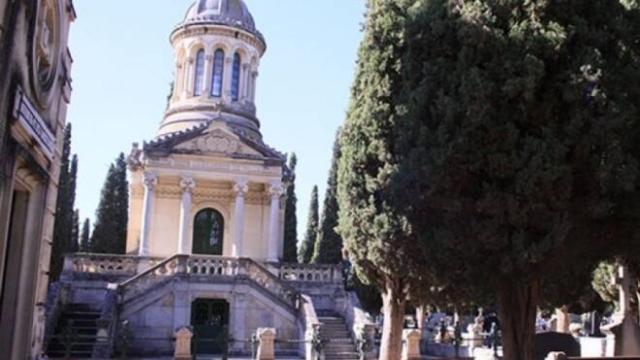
x,y
217,51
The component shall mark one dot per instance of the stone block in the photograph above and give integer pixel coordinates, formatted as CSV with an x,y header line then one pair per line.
x,y
411,347
183,344
266,346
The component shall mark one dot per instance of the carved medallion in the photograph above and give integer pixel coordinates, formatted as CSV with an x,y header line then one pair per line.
x,y
213,143
46,47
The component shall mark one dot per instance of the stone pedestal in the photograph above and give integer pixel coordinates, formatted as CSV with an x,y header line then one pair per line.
x,y
183,344
266,346
411,347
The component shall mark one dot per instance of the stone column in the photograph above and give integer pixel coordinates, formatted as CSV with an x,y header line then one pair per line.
x,y
226,78
150,182
241,187
411,348
187,184
179,84
266,348
254,77
244,81
208,75
188,78
275,191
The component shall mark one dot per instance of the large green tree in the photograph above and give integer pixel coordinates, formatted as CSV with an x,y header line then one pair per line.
x,y
328,246
308,243
290,253
110,229
516,142
379,240
63,228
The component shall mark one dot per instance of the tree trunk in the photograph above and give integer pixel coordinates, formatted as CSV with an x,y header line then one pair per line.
x,y
394,302
518,302
562,320
421,315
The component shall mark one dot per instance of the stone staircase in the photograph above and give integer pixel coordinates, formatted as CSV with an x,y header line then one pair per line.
x,y
75,333
338,344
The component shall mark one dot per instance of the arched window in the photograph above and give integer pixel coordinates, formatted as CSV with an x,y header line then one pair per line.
x,y
235,78
208,232
199,74
218,70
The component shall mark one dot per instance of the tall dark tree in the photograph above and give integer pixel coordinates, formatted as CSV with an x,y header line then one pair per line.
x,y
516,141
380,243
85,236
74,244
328,247
64,221
290,216
308,244
110,228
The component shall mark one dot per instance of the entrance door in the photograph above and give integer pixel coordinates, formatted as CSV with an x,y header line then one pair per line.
x,y
210,321
208,232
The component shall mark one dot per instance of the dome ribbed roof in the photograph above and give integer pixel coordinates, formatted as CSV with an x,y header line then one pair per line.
x,y
233,13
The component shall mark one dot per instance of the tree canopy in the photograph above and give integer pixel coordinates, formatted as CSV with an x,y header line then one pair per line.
x,y
328,246
290,215
516,132
305,253
110,229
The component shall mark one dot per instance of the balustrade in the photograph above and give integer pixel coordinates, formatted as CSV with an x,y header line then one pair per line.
x,y
158,271
101,264
311,273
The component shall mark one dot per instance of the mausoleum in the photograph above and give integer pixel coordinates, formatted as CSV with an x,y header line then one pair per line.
x,y
205,232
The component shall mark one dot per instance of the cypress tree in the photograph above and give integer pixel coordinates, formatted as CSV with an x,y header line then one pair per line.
x,y
110,229
290,254
308,244
74,244
516,142
328,246
383,249
85,244
64,222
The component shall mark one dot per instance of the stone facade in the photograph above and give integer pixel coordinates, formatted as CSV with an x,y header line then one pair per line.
x,y
35,89
206,218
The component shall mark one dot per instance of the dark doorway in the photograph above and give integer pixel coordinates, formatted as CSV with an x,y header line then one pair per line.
x,y
210,321
208,232
11,291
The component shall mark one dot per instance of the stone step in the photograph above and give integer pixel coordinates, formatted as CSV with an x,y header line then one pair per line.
x,y
342,356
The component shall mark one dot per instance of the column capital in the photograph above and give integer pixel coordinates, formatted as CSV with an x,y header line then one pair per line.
x,y
187,184
276,189
241,187
150,181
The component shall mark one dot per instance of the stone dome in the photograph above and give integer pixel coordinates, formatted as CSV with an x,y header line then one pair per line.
x,y
232,13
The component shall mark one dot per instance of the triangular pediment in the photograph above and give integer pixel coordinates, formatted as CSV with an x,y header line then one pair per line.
x,y
216,140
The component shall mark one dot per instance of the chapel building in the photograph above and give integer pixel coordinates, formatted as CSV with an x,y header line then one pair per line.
x,y
206,219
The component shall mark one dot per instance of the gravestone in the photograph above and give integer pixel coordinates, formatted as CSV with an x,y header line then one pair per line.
x,y
559,342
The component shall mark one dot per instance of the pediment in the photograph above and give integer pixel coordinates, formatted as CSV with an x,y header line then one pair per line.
x,y
216,141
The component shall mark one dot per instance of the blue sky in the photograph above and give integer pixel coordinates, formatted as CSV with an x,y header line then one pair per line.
x,y
123,65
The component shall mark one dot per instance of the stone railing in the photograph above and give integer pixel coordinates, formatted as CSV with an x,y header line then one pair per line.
x,y
200,266
155,274
326,273
361,327
271,282
310,328
103,264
